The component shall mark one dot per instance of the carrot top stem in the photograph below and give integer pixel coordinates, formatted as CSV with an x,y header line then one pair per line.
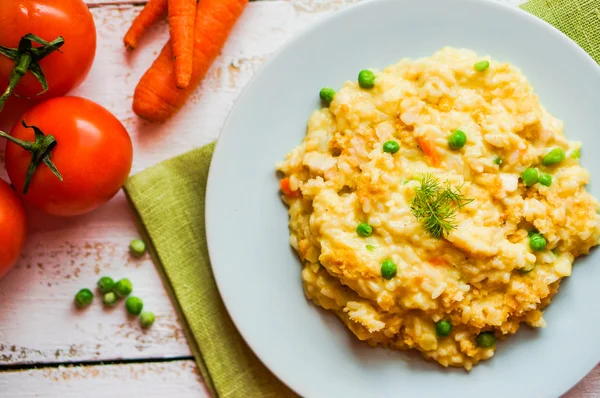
x,y
27,59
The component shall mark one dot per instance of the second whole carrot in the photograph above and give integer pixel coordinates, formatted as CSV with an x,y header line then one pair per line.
x,y
181,24
156,96
146,18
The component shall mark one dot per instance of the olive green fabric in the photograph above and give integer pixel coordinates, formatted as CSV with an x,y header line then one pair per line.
x,y
578,19
169,200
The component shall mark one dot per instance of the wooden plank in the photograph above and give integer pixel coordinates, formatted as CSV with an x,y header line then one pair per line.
x,y
150,380
168,379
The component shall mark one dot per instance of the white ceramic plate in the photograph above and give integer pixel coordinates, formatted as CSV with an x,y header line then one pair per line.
x,y
258,274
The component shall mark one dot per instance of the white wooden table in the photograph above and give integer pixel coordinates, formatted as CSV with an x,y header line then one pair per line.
x,y
49,349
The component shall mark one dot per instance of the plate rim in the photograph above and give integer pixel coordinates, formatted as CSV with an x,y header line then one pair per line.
x,y
551,31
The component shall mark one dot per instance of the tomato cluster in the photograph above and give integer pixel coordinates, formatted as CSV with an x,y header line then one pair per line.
x,y
65,155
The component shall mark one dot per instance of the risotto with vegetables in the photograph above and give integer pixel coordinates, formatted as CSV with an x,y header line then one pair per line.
x,y
436,205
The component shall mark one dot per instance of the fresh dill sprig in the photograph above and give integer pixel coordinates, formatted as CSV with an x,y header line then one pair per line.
x,y
435,205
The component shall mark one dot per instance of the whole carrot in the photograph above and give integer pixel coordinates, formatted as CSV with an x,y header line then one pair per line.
x,y
148,16
156,96
181,23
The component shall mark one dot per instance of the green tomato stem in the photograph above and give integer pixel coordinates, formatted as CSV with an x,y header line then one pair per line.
x,y
27,58
22,65
40,149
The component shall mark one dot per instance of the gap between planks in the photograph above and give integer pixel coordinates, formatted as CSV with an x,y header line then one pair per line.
x,y
51,365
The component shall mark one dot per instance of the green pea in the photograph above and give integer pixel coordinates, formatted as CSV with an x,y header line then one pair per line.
x,y
327,94
482,65
146,319
370,248
363,229
530,177
545,179
83,298
366,79
537,242
388,269
527,269
106,284
485,340
391,147
134,305
137,248
110,299
553,157
498,160
457,139
443,328
576,154
123,287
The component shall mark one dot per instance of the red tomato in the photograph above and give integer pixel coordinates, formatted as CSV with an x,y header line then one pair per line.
x,y
14,227
93,154
49,19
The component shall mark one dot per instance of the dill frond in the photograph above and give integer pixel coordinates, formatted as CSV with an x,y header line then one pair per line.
x,y
435,205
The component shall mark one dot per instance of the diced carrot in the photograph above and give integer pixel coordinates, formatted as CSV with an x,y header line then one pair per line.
x,y
284,185
438,261
430,151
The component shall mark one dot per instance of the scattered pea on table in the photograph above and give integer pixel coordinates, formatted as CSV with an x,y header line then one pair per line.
x,y
110,299
443,328
530,177
137,248
134,305
106,284
363,229
554,157
146,319
457,139
327,95
485,340
388,269
391,147
482,65
366,79
83,298
123,287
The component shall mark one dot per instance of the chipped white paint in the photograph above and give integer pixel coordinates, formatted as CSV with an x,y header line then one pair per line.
x,y
37,321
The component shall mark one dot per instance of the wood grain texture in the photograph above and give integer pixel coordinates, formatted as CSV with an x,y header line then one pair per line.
x,y
38,323
169,379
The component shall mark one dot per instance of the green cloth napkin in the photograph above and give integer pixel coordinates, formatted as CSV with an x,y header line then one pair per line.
x,y
169,200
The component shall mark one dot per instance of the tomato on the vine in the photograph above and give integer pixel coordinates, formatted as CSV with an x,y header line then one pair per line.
x,y
49,20
14,227
82,156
